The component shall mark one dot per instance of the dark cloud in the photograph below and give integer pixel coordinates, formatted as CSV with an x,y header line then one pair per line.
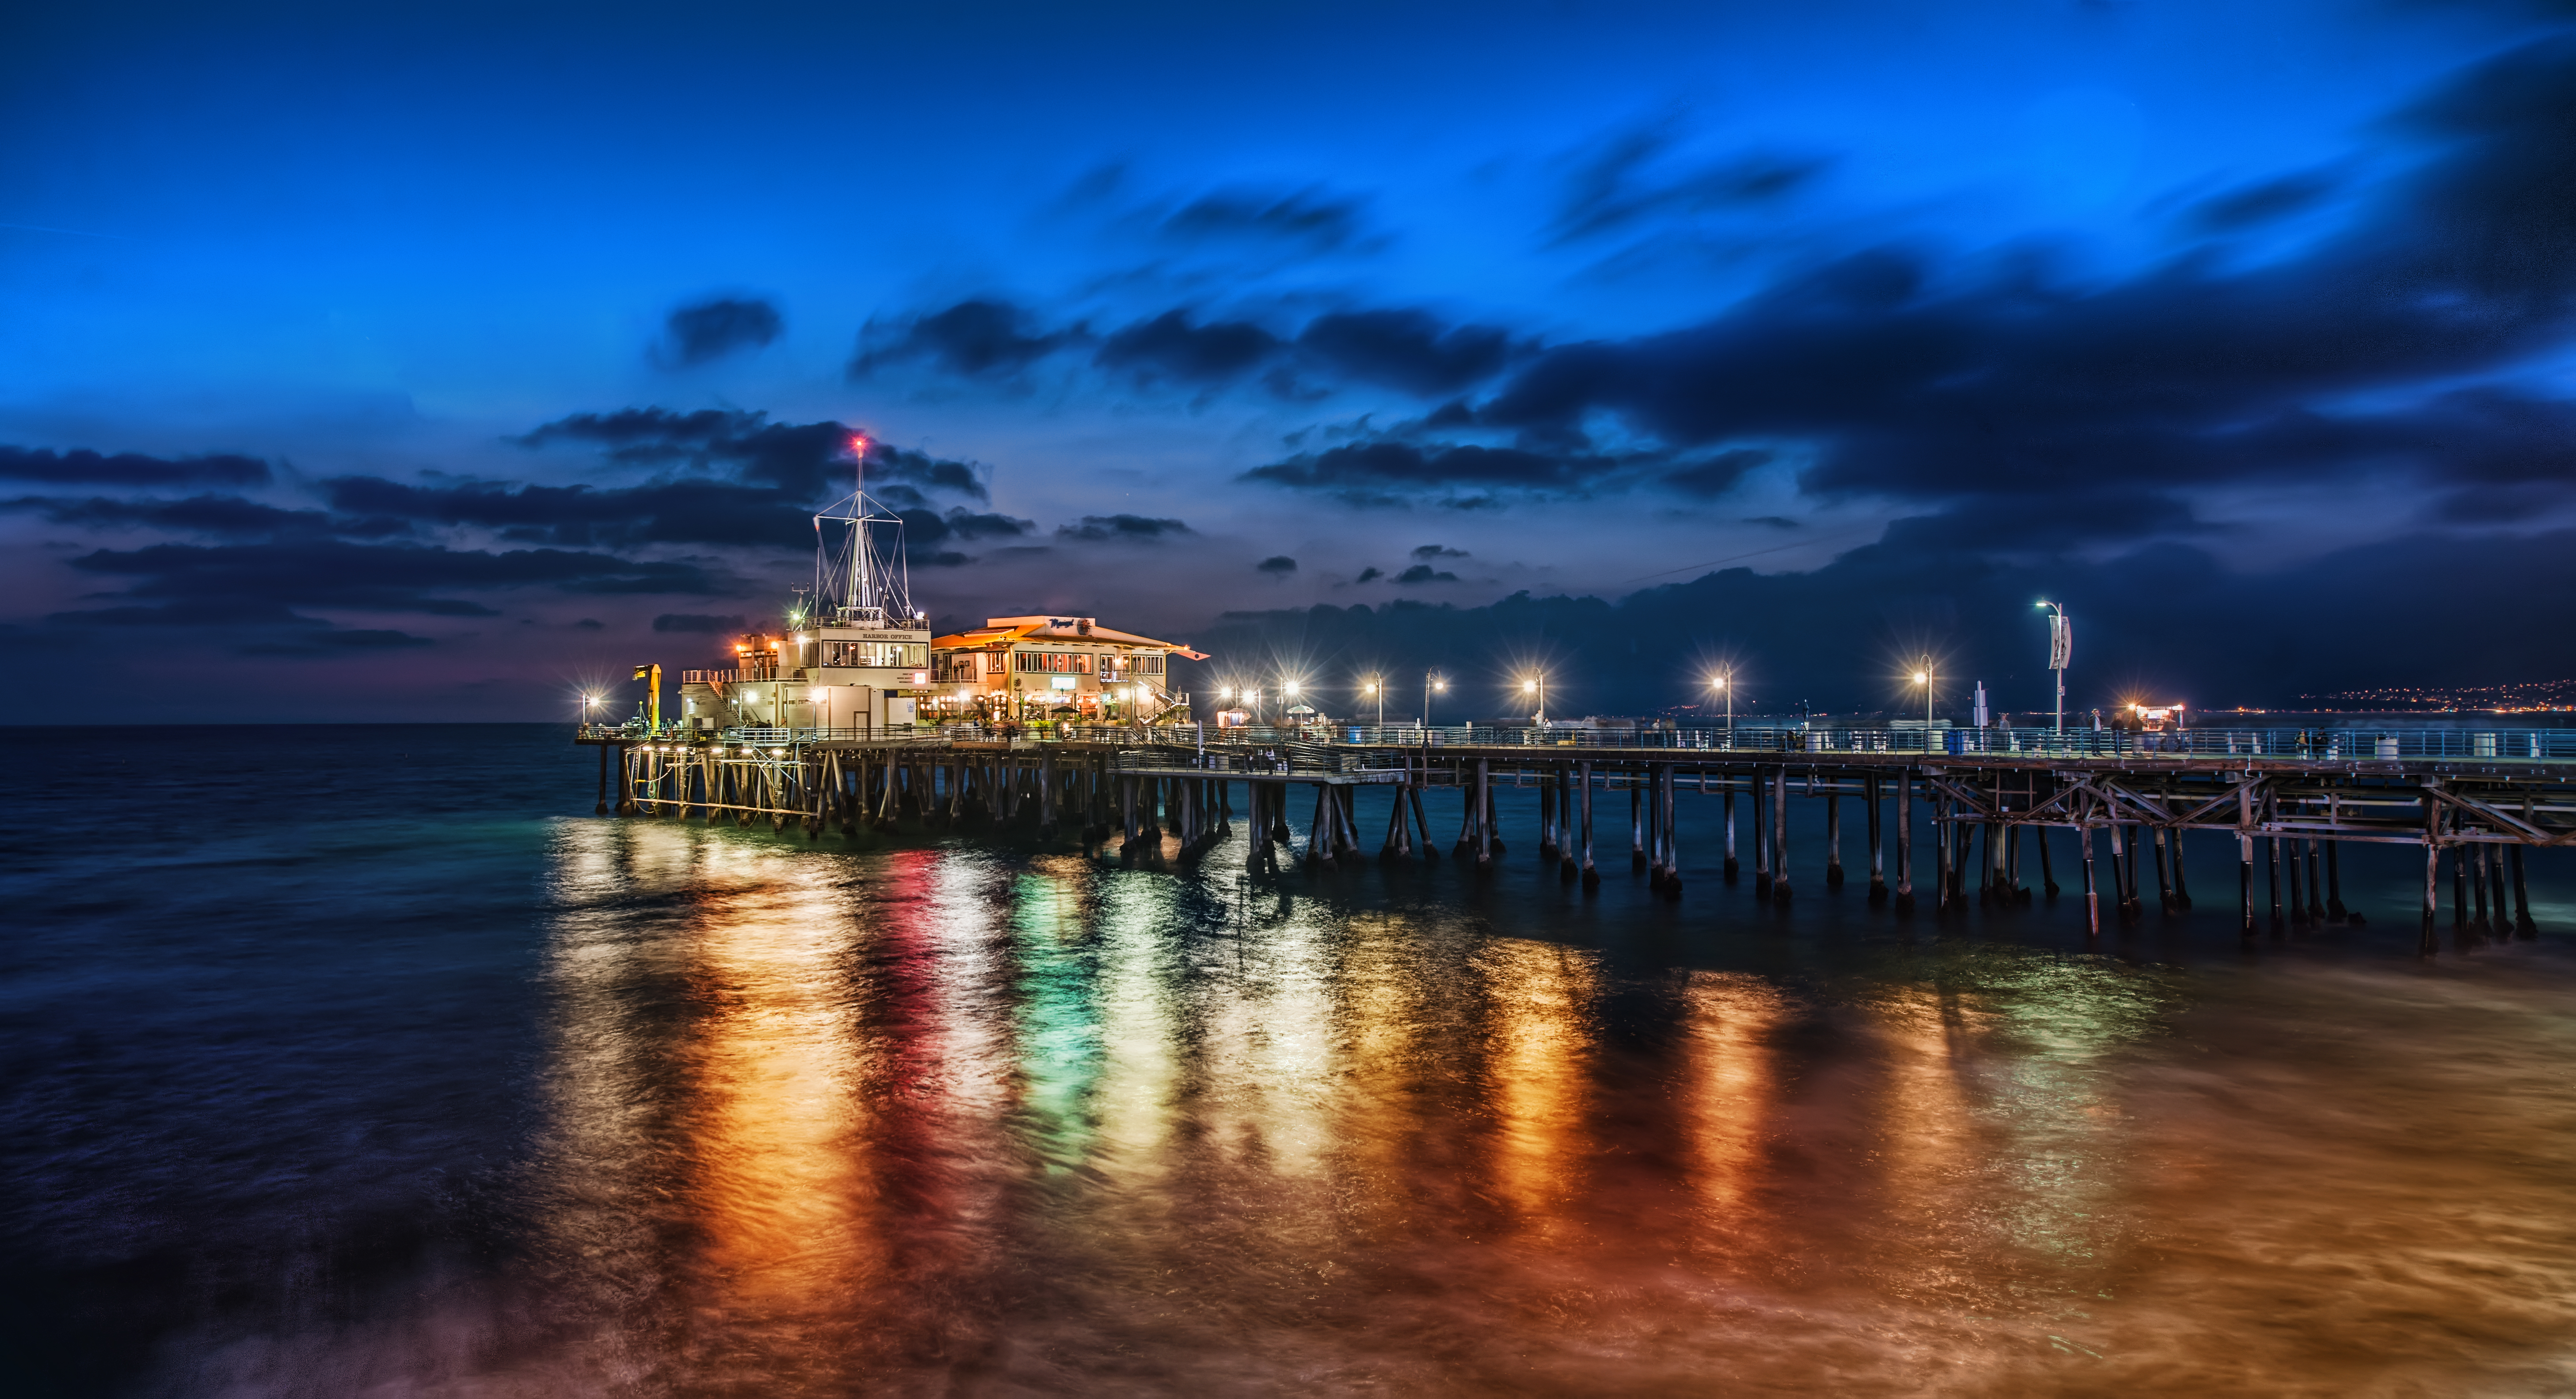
x,y
925,530
1405,349
974,339
1715,475
710,330
2263,202
803,462
1425,573
1170,346
1389,472
678,512
94,469
177,584
1428,552
700,622
220,515
1370,575
591,624
1112,527
1773,521
1621,181
338,641
1277,566
1309,218
1892,376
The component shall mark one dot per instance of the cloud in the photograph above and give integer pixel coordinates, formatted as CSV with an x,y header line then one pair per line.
x,y
1390,472
1892,374
1307,217
679,512
1169,346
1128,527
805,462
93,469
710,330
338,641
1277,566
1625,179
1716,474
219,515
2262,202
1405,349
1370,575
1428,552
177,584
925,530
1425,573
700,622
980,338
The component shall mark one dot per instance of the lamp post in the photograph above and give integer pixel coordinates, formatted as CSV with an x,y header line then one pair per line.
x,y
588,703
1433,682
1288,696
1538,684
1377,686
1719,684
2061,648
1923,678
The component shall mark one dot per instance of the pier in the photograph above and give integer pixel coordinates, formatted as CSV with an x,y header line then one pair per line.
x,y
2474,802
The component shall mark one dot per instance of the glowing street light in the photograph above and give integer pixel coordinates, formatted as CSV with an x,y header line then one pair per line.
x,y
1923,678
1433,682
1719,684
1377,687
1537,684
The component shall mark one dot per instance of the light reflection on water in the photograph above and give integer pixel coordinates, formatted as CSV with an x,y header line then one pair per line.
x,y
953,1121
930,1116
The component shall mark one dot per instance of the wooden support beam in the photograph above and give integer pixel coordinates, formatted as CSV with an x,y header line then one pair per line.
x,y
1904,840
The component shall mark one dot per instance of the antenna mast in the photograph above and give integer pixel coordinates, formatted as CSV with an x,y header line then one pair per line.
x,y
870,580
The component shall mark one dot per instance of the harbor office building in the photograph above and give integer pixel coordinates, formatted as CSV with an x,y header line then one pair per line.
x,y
1032,668
865,679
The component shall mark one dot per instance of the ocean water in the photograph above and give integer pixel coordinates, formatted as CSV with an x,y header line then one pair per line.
x,y
364,1061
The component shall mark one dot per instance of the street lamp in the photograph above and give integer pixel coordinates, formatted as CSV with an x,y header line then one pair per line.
x,y
1719,684
2061,648
1433,682
1538,685
1923,678
1375,687
1287,698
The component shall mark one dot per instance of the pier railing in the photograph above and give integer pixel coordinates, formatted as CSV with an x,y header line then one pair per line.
x,y
2318,744
2315,744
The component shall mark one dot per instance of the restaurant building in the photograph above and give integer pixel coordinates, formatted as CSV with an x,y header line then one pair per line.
x,y
866,678
1069,668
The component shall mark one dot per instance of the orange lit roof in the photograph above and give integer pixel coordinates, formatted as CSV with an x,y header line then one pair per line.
x,y
1002,630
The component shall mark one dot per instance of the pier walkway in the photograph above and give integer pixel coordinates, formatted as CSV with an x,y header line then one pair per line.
x,y
2473,800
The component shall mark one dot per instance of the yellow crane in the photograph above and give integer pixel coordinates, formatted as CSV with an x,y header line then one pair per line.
x,y
654,674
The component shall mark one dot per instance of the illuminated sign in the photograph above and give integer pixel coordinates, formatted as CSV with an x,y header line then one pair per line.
x,y
1061,682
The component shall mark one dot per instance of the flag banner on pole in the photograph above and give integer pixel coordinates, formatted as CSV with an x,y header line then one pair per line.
x,y
2061,642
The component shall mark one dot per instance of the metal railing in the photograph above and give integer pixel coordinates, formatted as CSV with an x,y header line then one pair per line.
x,y
1308,747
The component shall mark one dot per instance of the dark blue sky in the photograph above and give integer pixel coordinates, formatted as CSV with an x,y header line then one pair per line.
x,y
410,366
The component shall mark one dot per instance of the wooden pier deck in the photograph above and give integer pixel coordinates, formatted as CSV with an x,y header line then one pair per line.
x,y
2289,812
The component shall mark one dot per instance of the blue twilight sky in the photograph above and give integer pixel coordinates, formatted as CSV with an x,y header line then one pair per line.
x,y
408,364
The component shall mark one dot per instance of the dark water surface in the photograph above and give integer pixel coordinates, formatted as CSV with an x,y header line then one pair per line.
x,y
364,1062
